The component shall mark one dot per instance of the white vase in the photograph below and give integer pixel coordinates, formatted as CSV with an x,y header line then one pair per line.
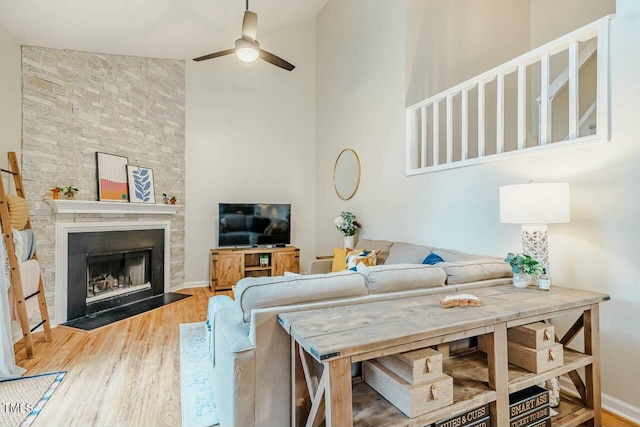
x,y
349,242
520,280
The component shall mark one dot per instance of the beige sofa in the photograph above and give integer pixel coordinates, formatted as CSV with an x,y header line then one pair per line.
x,y
460,267
250,366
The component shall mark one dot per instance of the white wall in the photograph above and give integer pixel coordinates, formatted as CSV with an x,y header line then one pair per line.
x,y
361,104
551,19
362,79
10,98
448,42
456,40
251,138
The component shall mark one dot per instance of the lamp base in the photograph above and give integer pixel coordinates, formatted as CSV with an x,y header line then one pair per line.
x,y
535,243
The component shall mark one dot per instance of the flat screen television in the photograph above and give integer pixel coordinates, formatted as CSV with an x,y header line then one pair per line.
x,y
254,224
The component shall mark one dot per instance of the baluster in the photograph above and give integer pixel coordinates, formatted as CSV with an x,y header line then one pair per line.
x,y
449,129
481,119
500,114
411,149
522,107
436,133
464,113
573,91
602,97
544,100
423,136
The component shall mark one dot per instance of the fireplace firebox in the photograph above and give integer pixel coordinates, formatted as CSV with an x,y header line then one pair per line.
x,y
117,273
108,269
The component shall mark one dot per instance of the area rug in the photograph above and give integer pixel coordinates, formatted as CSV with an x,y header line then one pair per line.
x,y
22,399
196,395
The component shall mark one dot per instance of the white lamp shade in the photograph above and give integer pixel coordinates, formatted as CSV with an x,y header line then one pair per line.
x,y
535,203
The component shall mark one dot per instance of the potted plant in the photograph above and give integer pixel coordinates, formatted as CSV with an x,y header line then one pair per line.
x,y
68,192
169,200
347,224
525,269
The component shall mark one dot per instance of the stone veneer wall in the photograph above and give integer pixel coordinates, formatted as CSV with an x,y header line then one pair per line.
x,y
78,103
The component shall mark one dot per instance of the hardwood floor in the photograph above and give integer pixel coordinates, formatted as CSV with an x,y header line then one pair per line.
x,y
125,374
610,420
128,373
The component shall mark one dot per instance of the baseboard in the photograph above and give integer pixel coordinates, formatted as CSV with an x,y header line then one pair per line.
x,y
620,408
609,403
203,284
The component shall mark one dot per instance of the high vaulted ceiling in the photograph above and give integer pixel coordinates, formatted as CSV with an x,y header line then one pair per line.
x,y
179,29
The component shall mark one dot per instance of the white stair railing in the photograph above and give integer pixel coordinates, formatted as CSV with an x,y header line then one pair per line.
x,y
584,55
424,121
585,124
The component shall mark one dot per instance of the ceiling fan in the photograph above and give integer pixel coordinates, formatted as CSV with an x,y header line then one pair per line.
x,y
247,47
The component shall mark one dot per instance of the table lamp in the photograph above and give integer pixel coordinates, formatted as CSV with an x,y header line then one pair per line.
x,y
535,205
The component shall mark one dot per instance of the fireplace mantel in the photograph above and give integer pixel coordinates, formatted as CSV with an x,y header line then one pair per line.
x,y
88,206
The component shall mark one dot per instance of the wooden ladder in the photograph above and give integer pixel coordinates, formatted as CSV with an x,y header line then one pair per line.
x,y
14,264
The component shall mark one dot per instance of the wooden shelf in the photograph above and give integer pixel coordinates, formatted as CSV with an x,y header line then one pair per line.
x,y
572,361
91,206
473,367
370,409
470,390
257,268
571,412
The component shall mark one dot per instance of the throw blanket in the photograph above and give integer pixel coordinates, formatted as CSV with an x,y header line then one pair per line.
x,y
8,367
30,275
25,243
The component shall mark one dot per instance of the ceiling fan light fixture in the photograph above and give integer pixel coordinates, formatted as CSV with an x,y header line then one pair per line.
x,y
247,47
247,51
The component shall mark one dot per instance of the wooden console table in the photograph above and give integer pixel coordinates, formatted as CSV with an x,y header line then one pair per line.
x,y
325,342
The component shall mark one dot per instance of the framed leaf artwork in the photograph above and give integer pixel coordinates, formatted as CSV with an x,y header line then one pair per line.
x,y
112,178
141,184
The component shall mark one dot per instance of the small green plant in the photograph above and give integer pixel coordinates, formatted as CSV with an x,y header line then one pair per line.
x,y
169,201
521,263
67,191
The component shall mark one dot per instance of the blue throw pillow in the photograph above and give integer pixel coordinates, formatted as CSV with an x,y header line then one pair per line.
x,y
432,259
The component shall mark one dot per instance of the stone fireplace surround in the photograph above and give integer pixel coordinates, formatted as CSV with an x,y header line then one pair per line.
x,y
78,103
64,229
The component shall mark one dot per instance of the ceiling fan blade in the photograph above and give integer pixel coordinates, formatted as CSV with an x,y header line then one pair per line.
x,y
214,55
276,60
250,25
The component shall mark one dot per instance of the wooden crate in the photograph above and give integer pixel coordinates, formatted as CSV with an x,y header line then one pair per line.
x,y
485,422
473,418
543,423
415,367
537,335
527,400
411,399
536,361
532,418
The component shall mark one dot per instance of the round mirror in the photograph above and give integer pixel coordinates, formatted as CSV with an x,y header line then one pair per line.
x,y
346,174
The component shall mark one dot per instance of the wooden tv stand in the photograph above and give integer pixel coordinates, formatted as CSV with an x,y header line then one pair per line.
x,y
229,265
339,336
